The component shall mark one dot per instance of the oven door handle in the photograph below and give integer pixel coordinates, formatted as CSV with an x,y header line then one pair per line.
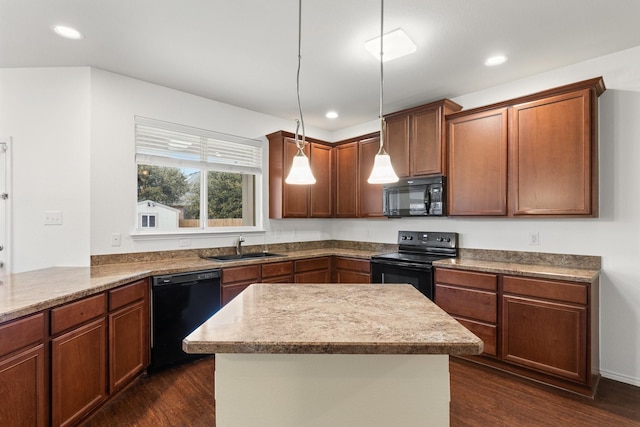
x,y
402,264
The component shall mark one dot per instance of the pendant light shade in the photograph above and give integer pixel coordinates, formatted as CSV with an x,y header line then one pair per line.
x,y
382,172
300,173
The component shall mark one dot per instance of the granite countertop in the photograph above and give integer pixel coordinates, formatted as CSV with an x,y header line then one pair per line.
x,y
575,268
321,319
26,293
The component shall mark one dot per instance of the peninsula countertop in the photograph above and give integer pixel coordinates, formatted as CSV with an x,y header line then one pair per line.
x,y
331,319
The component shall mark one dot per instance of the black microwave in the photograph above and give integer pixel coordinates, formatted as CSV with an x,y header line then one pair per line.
x,y
415,197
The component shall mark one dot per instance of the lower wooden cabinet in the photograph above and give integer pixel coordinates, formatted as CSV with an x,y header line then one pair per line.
x,y
237,279
352,270
78,372
546,330
472,299
313,270
58,365
23,383
128,344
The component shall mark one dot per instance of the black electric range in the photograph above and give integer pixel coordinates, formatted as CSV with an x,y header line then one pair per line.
x,y
413,262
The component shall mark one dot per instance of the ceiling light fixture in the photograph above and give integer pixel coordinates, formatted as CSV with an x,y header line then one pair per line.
x,y
300,173
331,115
382,172
495,60
67,32
397,42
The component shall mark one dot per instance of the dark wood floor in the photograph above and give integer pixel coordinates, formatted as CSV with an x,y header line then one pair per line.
x,y
480,396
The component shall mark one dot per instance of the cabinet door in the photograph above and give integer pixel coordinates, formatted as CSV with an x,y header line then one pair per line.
x,y
544,335
477,181
397,143
22,387
321,192
230,291
552,151
128,343
295,197
370,195
78,372
320,276
347,180
427,148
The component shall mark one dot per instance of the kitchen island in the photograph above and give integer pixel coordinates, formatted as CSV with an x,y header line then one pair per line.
x,y
329,354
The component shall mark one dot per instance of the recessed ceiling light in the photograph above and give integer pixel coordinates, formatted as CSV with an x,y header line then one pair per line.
x,y
396,44
67,32
495,60
331,115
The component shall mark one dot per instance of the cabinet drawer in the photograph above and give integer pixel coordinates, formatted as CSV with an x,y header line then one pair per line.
x,y
312,264
472,304
278,279
351,264
467,278
241,274
127,294
76,313
559,291
20,333
487,333
277,269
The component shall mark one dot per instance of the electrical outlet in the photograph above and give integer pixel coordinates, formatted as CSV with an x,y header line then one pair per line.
x,y
115,239
53,218
534,238
184,243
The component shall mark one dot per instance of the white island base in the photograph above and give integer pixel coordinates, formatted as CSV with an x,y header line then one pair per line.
x,y
294,390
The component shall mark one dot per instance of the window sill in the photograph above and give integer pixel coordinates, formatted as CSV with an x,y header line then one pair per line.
x,y
173,234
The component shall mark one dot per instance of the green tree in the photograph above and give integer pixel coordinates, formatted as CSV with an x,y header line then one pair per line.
x,y
225,195
161,184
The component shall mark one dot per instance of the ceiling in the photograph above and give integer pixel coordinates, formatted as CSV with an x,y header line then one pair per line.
x,y
244,52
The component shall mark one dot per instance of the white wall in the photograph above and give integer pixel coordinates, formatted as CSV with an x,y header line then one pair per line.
x,y
115,101
46,112
615,235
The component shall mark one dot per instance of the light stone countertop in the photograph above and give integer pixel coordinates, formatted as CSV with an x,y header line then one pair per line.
x,y
554,272
326,319
26,293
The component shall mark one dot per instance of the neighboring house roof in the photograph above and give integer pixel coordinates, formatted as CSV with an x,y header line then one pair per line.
x,y
151,203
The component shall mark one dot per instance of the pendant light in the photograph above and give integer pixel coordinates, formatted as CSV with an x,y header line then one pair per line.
x,y
300,173
382,172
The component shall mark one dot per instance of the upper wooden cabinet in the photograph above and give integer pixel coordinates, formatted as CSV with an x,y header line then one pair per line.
x,y
477,181
355,197
535,155
415,139
553,155
299,201
346,184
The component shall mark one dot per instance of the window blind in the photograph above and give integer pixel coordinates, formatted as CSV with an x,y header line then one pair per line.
x,y
170,144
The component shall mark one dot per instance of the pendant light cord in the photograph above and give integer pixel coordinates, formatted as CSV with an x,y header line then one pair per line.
x,y
381,151
301,121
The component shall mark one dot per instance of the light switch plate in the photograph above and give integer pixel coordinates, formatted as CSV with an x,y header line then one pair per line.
x,y
53,218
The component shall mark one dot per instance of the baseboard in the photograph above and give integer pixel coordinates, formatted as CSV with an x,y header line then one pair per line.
x,y
621,378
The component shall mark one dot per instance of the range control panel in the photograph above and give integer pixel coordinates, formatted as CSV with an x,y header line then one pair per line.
x,y
431,239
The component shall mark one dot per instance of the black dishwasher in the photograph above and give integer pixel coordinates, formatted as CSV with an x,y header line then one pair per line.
x,y
179,304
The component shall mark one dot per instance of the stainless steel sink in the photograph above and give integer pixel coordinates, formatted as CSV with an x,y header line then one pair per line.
x,y
234,257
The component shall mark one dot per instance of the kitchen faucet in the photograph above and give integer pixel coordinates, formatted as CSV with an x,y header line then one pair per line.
x,y
239,244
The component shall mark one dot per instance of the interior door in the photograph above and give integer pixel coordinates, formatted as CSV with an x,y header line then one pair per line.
x,y
5,207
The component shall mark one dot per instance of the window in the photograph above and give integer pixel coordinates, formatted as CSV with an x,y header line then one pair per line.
x,y
191,178
147,220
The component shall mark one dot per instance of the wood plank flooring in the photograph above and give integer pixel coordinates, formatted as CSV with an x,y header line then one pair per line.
x,y
183,396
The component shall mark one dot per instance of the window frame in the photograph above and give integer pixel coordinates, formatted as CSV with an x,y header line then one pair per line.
x,y
252,200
